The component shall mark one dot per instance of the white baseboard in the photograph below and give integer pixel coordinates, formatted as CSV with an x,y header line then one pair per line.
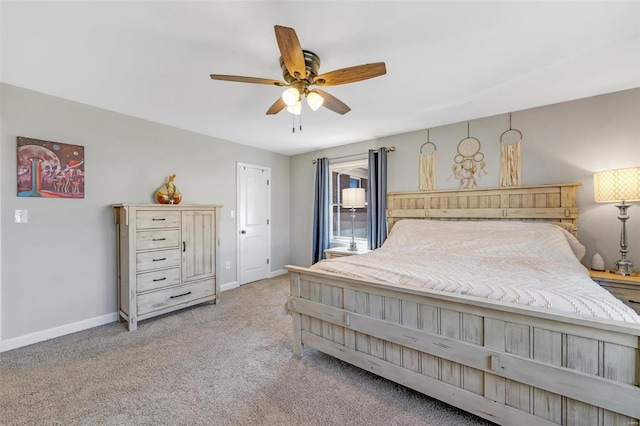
x,y
234,284
229,286
277,273
40,336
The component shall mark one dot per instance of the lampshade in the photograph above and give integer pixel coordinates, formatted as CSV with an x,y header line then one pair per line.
x,y
291,96
353,197
314,100
617,185
295,109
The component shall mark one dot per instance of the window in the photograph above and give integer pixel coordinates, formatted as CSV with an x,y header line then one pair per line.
x,y
353,174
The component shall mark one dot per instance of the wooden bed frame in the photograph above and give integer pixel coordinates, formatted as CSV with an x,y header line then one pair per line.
x,y
506,363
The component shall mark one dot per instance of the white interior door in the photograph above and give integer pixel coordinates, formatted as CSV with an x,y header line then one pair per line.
x,y
254,210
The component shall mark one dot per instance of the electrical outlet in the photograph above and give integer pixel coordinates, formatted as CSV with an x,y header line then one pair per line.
x,y
227,265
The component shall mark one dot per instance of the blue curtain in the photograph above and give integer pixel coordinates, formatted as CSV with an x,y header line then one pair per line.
x,y
377,198
321,209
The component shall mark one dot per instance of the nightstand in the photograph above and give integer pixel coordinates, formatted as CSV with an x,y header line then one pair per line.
x,y
332,253
627,289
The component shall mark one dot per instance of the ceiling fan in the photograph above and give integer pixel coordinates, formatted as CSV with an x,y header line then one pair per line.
x,y
300,71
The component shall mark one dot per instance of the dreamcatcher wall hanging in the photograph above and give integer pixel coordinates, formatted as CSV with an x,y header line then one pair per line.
x,y
510,163
428,165
469,163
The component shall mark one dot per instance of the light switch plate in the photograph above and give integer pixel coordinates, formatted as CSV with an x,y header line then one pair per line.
x,y
20,216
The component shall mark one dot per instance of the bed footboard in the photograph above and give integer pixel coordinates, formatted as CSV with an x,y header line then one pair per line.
x,y
507,364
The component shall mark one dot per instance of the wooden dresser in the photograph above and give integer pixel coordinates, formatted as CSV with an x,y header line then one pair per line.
x,y
167,258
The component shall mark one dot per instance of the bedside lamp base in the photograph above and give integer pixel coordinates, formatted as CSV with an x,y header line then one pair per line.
x,y
624,268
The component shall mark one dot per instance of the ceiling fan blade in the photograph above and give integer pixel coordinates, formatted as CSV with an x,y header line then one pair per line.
x,y
241,79
333,103
291,51
277,106
351,74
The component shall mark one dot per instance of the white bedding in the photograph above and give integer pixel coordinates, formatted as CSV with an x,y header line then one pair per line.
x,y
528,263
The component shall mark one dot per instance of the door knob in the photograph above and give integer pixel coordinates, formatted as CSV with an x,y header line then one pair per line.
x,y
243,232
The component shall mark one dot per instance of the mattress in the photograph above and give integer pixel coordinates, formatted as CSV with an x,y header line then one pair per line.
x,y
534,264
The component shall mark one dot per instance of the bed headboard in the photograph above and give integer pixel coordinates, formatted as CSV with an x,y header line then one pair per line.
x,y
551,203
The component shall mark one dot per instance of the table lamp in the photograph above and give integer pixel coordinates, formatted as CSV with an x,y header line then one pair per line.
x,y
619,185
353,198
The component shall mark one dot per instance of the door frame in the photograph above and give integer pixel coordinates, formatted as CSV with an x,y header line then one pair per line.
x,y
240,165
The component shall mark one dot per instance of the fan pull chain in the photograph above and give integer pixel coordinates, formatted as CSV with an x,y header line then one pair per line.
x,y
293,123
300,120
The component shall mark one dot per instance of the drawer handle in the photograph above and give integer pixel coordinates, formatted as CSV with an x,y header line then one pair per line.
x,y
158,239
159,218
633,301
159,260
159,279
180,295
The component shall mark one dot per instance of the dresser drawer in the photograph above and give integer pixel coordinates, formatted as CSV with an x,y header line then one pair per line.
x,y
147,261
158,300
150,219
157,239
158,279
628,296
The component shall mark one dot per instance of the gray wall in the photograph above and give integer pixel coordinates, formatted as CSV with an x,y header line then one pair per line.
x,y
60,267
562,143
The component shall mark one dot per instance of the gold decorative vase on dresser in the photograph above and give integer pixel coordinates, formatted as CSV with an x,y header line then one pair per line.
x,y
167,258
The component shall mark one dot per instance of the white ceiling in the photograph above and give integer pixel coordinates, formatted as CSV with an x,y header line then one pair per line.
x,y
446,61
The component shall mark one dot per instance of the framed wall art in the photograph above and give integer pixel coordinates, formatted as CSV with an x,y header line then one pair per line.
x,y
50,169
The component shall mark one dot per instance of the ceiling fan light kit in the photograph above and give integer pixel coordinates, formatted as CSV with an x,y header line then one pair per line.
x,y
295,109
314,100
300,70
291,96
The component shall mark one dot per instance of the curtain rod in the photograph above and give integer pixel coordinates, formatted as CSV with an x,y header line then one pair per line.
x,y
393,148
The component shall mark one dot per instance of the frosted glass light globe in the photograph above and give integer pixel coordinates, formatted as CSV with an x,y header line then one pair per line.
x,y
314,100
291,96
295,109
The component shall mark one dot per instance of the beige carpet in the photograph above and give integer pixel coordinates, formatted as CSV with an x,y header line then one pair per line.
x,y
224,364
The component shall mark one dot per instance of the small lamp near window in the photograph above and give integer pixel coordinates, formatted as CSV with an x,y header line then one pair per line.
x,y
619,185
353,198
